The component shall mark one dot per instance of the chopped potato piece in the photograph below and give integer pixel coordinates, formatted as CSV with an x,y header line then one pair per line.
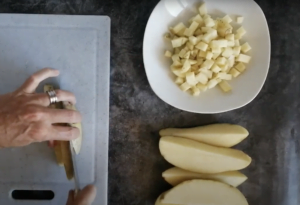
x,y
193,40
207,64
183,52
246,47
227,52
241,31
236,42
190,78
202,54
177,72
185,86
176,50
203,9
209,55
202,78
179,80
219,43
201,87
216,50
198,19
187,55
230,61
179,27
224,76
196,91
243,58
209,22
221,61
202,46
186,66
224,85
193,62
229,37
216,68
227,19
179,42
175,57
177,64
240,67
234,72
191,30
236,51
238,36
168,54
206,72
239,19
212,83
216,55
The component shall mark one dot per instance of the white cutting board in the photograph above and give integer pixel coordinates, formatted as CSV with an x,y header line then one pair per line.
x,y
79,46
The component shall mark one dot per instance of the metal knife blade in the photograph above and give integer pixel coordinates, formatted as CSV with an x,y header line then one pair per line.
x,y
76,177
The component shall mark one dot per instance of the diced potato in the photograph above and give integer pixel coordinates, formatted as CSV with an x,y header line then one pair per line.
x,y
206,38
224,85
182,52
227,19
236,51
234,72
221,61
190,46
223,31
190,78
177,64
194,156
224,76
209,55
219,43
216,50
198,19
231,43
238,36
203,192
187,55
175,176
227,52
195,91
198,32
241,31
199,38
185,86
209,22
239,19
181,33
240,67
179,80
177,72
168,54
176,50
202,78
175,57
176,29
193,62
243,58
215,68
206,72
193,40
216,55
207,64
179,42
231,61
246,47
186,66
202,46
205,29
201,87
191,30
202,54
236,42
229,37
203,9
212,83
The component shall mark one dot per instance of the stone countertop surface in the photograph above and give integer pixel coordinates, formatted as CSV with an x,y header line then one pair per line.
x,y
137,114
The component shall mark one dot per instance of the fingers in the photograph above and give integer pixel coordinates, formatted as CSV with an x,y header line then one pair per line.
x,y
62,95
33,81
86,196
62,116
63,133
71,198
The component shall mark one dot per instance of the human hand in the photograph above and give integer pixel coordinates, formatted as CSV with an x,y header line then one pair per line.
x,y
25,117
84,197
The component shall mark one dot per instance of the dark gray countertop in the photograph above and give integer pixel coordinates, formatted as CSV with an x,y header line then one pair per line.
x,y
137,114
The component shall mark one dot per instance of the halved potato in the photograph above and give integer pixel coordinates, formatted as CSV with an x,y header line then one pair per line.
x,y
223,135
175,176
204,192
199,157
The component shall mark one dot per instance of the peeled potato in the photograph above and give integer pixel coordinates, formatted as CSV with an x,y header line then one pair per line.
x,y
204,192
199,157
223,135
175,176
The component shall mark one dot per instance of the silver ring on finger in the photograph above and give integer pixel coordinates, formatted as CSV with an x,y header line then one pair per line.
x,y
52,96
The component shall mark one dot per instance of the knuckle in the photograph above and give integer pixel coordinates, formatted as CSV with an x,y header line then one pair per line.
x,y
32,79
32,114
38,133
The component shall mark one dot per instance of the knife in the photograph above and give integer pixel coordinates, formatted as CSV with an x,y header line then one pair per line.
x,y
76,178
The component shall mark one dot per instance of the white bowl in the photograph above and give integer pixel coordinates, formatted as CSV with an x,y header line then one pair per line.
x,y
245,88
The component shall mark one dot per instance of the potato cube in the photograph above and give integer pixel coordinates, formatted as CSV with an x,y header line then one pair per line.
x,y
197,18
236,51
191,30
177,72
199,38
168,54
176,29
231,61
193,40
239,19
227,19
212,83
221,61
224,67
176,50
206,38
227,52
201,87
202,54
205,29
234,72
216,55
243,58
209,22
187,55
179,80
193,62
185,86
179,42
216,50
207,64
219,43
202,46
215,68
209,55
246,47
241,31
240,67
190,78
190,46
206,72
224,76
182,52
181,33
224,85
202,78
198,32
203,9
175,57
238,36
186,66
229,37
237,43
195,91
177,64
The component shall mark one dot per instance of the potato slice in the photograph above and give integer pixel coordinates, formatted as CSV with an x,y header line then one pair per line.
x,y
199,157
57,146
204,192
222,135
175,176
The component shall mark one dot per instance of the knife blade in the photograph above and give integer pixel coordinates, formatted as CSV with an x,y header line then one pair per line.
x,y
76,177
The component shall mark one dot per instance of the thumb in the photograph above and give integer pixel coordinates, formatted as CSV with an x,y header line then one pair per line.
x,y
86,196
